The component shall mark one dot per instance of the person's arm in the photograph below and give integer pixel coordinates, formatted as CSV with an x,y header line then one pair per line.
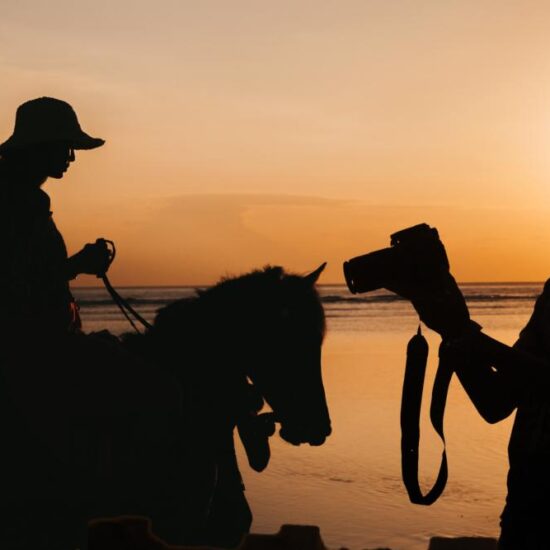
x,y
493,374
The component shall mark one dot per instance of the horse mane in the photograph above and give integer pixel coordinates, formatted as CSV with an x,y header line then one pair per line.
x,y
254,280
245,290
260,289
264,297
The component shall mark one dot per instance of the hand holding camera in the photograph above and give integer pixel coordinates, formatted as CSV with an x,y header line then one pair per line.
x,y
93,259
440,306
415,267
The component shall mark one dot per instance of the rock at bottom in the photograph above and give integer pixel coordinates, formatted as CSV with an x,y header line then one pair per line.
x,y
462,543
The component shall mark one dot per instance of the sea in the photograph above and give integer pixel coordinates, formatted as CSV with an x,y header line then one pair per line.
x,y
351,486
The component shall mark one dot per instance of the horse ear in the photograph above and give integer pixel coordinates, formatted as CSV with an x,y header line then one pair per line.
x,y
275,271
314,275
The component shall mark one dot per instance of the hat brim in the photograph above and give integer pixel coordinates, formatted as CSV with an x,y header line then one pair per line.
x,y
87,142
82,141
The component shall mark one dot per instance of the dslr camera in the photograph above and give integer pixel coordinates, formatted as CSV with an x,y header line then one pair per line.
x,y
416,255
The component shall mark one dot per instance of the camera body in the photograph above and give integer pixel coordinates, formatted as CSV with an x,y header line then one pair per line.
x,y
416,255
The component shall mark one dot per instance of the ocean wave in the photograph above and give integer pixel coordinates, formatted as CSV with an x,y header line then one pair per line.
x,y
329,299
102,302
335,299
500,297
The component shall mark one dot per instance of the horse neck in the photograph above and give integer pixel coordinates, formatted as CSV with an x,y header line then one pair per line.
x,y
210,338
212,371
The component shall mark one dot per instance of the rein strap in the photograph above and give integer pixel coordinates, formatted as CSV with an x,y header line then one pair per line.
x,y
124,306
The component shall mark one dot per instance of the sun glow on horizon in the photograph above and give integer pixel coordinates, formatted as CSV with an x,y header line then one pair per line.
x,y
245,134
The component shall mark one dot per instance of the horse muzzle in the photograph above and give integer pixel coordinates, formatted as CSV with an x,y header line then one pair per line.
x,y
298,434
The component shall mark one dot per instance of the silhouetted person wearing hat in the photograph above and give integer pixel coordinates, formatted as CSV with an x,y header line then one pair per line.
x,y
38,270
63,394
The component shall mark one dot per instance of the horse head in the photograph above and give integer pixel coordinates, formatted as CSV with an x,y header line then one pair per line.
x,y
266,326
285,356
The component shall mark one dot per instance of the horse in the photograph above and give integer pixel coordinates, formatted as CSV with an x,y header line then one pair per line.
x,y
245,341
225,352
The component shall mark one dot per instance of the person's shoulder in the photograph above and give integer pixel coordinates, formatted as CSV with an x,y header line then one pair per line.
x,y
43,199
36,204
544,297
546,288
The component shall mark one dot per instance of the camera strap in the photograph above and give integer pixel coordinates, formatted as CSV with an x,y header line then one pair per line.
x,y
411,401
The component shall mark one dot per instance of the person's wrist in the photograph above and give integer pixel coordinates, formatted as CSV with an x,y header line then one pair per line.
x,y
72,268
461,335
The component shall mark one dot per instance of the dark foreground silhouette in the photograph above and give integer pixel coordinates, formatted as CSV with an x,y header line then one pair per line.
x,y
249,339
134,533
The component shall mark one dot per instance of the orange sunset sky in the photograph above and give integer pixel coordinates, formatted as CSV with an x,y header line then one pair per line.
x,y
241,133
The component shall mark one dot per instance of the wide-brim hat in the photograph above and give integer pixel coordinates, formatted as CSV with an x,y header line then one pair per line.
x,y
47,120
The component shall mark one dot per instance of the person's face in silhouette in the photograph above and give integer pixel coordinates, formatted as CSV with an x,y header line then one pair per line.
x,y
52,160
34,164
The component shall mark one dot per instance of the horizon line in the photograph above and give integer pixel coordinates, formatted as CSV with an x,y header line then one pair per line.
x,y
202,285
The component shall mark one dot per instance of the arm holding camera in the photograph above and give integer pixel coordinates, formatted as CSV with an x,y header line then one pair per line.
x,y
492,373
93,259
495,376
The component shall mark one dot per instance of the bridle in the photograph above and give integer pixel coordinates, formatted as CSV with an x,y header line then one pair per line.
x,y
123,304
